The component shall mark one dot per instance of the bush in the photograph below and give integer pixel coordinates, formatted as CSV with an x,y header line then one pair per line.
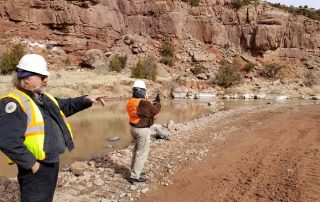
x,y
249,67
228,75
145,69
271,70
310,79
10,60
167,53
237,4
117,63
192,2
301,10
167,61
167,50
197,69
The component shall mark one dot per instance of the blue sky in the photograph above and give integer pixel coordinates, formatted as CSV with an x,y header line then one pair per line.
x,y
310,3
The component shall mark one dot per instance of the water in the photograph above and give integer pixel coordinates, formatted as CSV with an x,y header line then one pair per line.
x,y
93,127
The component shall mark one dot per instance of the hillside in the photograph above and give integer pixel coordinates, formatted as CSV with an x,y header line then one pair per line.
x,y
87,34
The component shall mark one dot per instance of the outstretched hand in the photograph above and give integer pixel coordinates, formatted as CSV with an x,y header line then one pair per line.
x,y
96,99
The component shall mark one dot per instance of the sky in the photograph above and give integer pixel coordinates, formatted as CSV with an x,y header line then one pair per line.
x,y
310,3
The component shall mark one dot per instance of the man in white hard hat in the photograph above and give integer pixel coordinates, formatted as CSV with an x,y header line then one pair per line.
x,y
34,129
141,116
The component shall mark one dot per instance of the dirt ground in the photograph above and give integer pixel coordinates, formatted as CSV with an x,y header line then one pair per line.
x,y
267,153
272,156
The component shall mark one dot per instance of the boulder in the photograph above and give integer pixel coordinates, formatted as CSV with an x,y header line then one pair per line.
x,y
78,168
93,58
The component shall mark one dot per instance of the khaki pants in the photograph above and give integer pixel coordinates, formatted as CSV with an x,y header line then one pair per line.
x,y
141,139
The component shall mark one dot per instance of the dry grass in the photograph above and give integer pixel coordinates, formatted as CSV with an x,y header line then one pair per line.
x,y
64,83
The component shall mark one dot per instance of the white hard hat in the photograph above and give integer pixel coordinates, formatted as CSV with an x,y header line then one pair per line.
x,y
34,63
139,84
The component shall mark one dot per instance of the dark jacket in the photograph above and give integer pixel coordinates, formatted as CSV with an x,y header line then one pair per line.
x,y
57,138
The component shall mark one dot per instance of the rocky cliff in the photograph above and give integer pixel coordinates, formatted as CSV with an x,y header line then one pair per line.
x,y
89,31
99,23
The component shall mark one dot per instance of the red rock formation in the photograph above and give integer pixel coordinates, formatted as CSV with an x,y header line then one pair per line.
x,y
85,24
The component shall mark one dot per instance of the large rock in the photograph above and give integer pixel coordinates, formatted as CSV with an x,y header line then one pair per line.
x,y
78,168
93,58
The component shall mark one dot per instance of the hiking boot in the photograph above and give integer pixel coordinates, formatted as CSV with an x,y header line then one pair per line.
x,y
134,180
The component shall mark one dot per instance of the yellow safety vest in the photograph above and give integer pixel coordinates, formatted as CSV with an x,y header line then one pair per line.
x,y
34,134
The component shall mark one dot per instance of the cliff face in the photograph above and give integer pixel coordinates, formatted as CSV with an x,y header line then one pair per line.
x,y
80,25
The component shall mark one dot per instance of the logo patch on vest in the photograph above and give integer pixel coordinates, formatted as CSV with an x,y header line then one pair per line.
x,y
11,107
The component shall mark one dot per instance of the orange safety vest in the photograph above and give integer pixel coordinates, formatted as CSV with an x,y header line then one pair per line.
x,y
132,109
34,134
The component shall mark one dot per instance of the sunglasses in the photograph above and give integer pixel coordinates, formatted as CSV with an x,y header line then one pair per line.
x,y
42,77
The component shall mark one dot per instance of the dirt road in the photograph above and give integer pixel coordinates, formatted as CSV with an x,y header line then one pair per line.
x,y
270,156
267,153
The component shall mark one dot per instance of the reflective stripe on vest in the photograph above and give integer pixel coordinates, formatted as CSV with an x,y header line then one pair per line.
x,y
132,109
34,134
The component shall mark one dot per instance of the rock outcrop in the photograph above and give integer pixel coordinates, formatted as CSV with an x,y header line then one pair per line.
x,y
82,25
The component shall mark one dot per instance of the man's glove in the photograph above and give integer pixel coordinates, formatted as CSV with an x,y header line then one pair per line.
x,y
157,99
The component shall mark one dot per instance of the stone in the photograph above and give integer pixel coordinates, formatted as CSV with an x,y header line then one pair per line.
x,y
78,168
114,138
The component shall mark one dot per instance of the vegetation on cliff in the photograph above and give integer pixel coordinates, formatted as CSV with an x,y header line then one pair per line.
x,y
301,10
10,59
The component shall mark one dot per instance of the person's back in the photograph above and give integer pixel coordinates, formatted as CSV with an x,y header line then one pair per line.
x,y
141,114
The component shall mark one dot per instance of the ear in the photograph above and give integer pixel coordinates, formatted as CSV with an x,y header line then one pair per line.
x,y
26,80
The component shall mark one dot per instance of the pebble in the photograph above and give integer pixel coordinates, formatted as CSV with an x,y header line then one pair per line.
x,y
114,138
145,190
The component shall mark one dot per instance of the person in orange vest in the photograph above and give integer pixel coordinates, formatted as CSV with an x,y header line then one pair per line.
x,y
34,129
141,116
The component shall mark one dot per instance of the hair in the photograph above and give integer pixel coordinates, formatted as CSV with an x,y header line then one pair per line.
x,y
16,82
139,92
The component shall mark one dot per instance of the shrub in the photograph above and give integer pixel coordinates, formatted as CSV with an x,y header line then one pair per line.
x,y
10,59
167,50
167,61
167,53
310,79
145,69
301,10
249,67
237,4
197,69
271,70
117,63
192,2
228,75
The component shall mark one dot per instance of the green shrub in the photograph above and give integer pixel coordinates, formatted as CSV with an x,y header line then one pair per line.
x,y
167,53
10,59
197,69
271,70
192,2
167,61
117,63
237,4
167,49
228,75
145,69
249,67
